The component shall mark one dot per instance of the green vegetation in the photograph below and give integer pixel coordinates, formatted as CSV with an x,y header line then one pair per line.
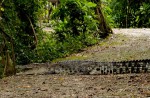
x,y
75,28
128,13
17,32
74,18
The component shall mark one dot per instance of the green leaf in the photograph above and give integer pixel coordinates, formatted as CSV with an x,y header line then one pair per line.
x,y
0,58
90,4
137,18
2,9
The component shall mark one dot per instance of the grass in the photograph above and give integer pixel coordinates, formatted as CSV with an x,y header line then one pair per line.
x,y
114,40
73,57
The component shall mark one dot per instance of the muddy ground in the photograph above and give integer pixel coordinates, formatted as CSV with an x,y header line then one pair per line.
x,y
125,44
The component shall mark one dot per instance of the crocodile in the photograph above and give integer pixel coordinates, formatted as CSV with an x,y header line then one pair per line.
x,y
93,67
84,67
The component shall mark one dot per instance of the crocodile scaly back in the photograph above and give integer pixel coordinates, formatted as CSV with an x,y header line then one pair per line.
x,y
91,67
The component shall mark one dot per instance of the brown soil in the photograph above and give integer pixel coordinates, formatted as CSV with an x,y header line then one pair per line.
x,y
117,47
73,86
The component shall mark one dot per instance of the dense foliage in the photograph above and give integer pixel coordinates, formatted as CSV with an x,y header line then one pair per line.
x,y
75,28
18,28
130,13
74,17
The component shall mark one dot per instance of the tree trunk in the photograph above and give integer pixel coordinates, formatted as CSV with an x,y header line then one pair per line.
x,y
105,29
9,68
8,58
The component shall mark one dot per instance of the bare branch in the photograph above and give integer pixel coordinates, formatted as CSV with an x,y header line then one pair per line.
x,y
34,33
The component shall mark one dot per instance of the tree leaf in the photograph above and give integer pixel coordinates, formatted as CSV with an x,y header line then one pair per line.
x,y
90,4
2,9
